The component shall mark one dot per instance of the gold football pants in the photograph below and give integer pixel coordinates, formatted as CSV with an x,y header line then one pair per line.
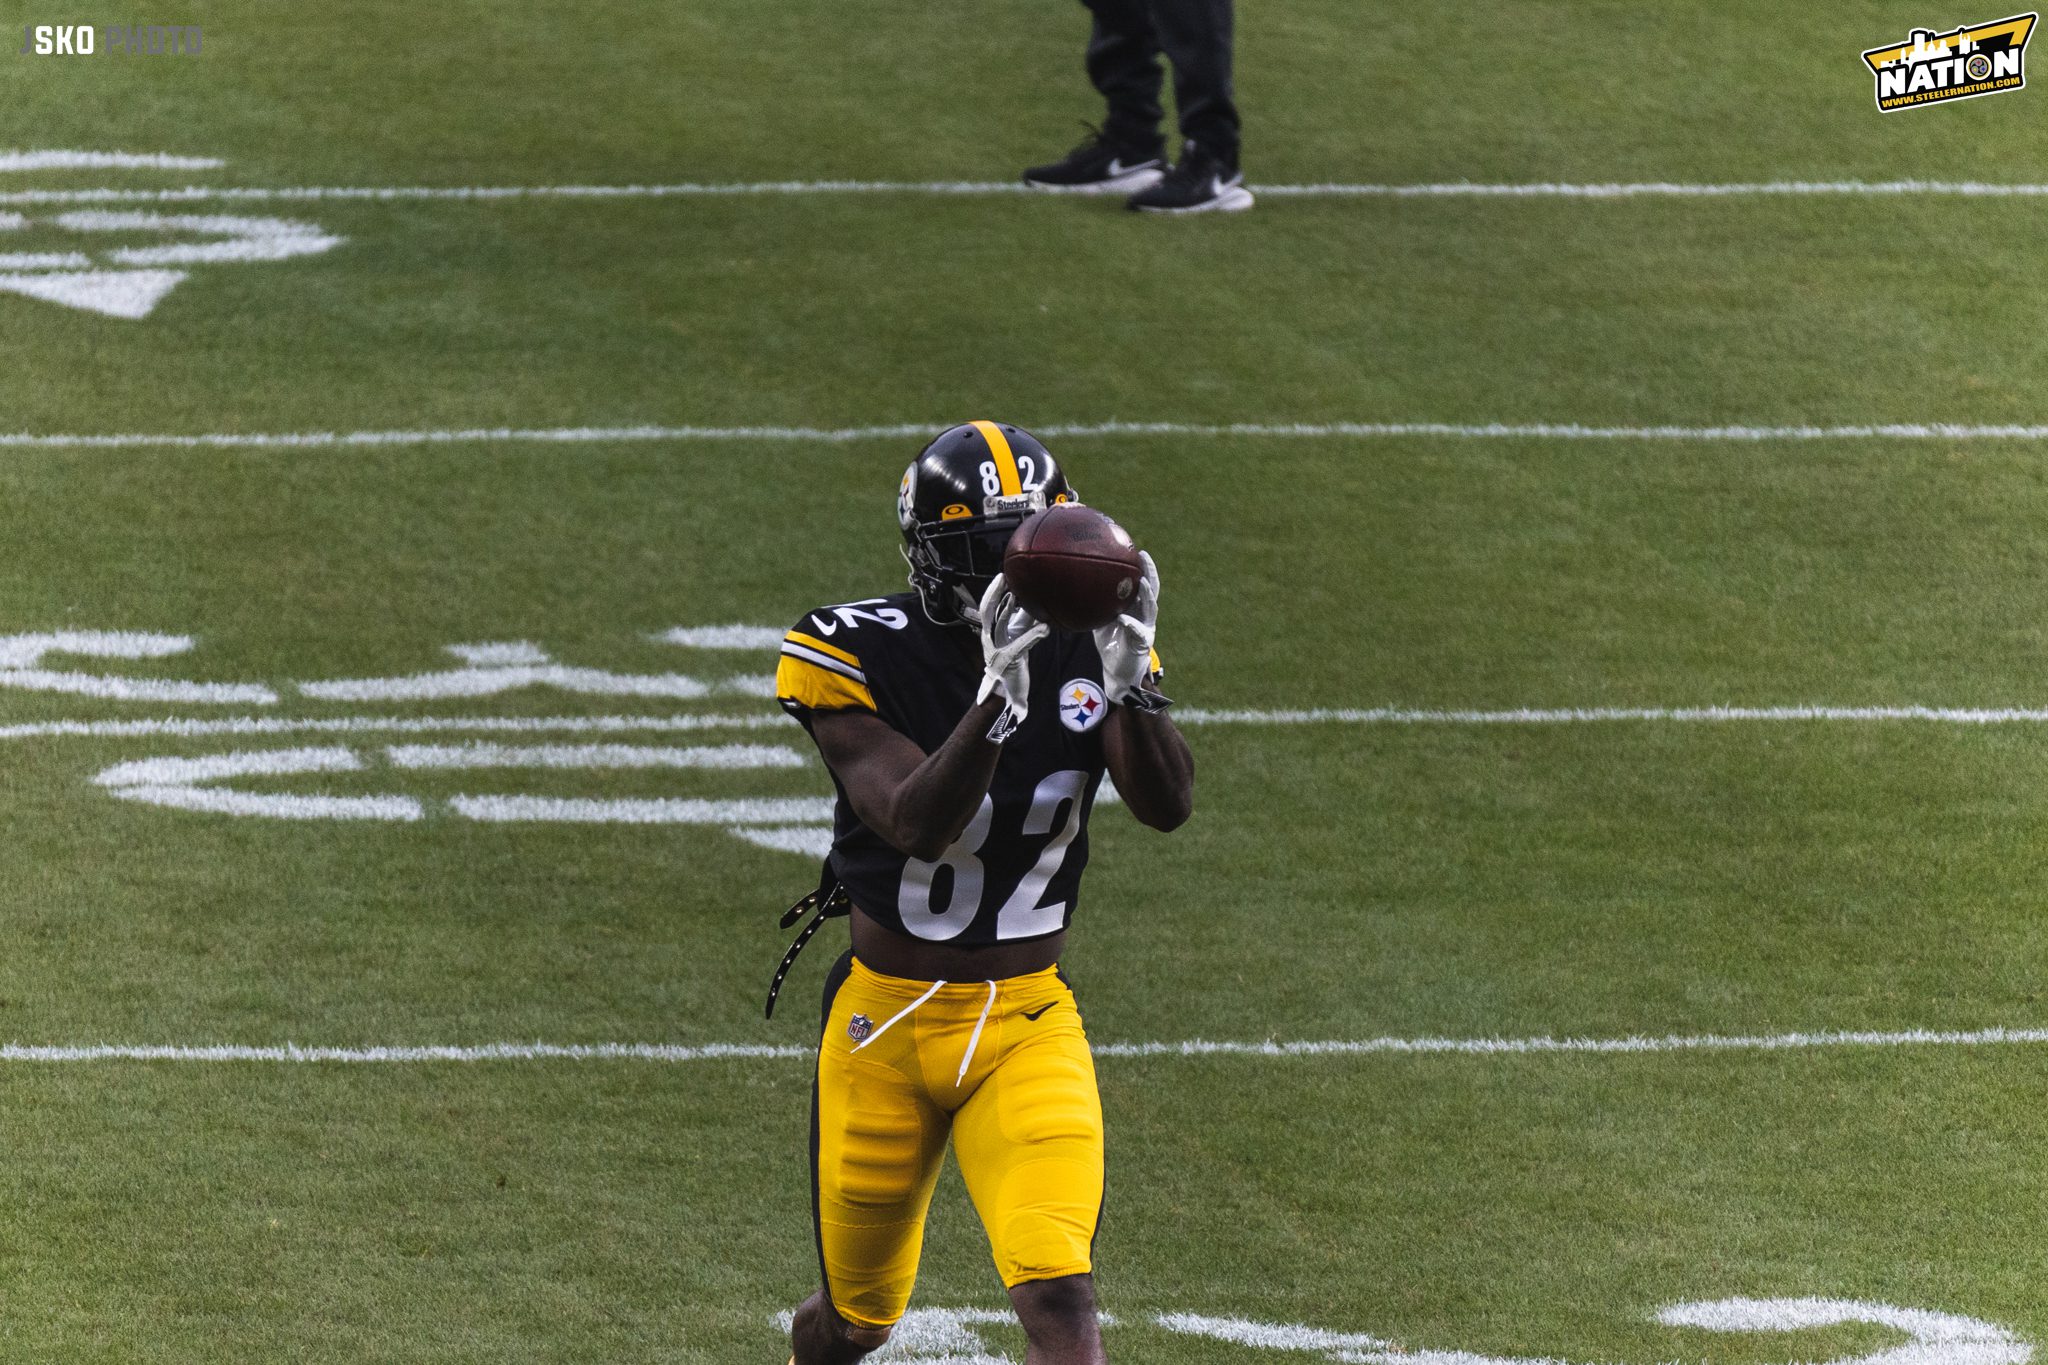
x,y
1003,1067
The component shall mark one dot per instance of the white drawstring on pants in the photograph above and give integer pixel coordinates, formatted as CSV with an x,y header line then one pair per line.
x,y
973,1039
898,1016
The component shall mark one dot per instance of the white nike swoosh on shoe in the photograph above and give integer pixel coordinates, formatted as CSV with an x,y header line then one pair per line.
x,y
1117,167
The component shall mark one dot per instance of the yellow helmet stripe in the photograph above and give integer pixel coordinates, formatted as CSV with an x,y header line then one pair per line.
x,y
1006,463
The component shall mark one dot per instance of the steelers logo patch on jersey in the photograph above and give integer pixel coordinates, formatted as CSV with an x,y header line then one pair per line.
x,y
1082,705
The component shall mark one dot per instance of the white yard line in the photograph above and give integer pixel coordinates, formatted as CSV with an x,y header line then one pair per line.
x,y
682,1052
1476,431
40,160
1456,189
178,727
1944,715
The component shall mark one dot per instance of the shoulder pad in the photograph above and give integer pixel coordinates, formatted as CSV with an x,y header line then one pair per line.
x,y
821,668
869,616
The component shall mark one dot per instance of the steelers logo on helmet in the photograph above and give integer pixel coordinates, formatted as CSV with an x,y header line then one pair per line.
x,y
961,498
905,497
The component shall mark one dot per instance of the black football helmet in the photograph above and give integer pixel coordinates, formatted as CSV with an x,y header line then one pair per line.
x,y
961,498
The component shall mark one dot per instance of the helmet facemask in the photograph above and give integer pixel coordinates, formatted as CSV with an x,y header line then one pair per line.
x,y
952,562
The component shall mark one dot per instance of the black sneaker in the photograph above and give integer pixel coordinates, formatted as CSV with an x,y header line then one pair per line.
x,y
1099,166
1197,183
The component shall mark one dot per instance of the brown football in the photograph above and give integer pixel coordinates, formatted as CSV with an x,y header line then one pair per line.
x,y
1073,568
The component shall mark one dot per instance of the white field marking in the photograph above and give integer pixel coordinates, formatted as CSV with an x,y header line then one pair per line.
x,y
26,651
52,160
174,783
180,784
812,841
1475,431
21,657
1948,715
484,755
643,811
671,1052
134,291
761,685
481,1052
500,654
1935,1338
507,666
274,806
1454,189
213,767
44,260
130,294
935,1336
941,1336
242,239
183,728
1491,1047
722,637
1269,1336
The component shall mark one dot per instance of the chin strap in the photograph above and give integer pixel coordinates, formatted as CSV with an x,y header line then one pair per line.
x,y
829,901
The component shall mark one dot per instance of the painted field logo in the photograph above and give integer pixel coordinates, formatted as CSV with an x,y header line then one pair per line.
x,y
1934,68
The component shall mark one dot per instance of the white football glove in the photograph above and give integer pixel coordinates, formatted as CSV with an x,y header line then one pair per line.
x,y
1125,644
1007,634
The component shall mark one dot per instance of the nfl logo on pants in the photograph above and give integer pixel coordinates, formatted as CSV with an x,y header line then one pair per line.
x,y
859,1027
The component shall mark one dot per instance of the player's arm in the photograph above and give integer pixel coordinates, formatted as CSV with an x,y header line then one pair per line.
x,y
1152,767
919,803
1147,756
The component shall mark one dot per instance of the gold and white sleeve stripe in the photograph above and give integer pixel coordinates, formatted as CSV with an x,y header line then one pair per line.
x,y
819,676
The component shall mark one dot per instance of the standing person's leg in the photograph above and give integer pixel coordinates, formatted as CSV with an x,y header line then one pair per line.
x,y
1128,153
1123,63
1197,37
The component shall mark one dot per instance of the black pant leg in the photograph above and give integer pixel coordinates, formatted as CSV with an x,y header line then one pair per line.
x,y
1123,62
1196,37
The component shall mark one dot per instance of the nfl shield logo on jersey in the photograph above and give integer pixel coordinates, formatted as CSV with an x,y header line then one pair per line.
x,y
1082,705
859,1027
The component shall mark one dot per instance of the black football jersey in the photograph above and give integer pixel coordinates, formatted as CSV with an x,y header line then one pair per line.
x,y
1016,870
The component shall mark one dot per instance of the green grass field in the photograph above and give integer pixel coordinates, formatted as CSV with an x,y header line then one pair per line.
x,y
1343,880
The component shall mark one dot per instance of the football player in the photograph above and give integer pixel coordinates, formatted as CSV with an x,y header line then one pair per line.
x,y
967,742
